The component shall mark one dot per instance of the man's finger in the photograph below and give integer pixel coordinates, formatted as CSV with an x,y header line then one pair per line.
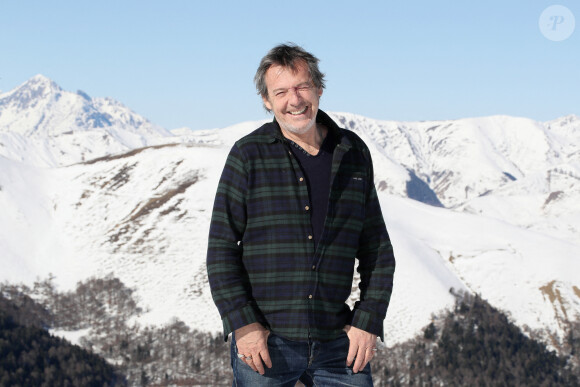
x,y
369,354
360,358
258,365
249,360
352,350
265,355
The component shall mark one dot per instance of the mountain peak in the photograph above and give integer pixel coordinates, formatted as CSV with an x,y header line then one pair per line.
x,y
40,77
567,119
40,81
28,94
43,124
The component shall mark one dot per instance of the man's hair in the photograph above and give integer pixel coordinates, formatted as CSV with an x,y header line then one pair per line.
x,y
287,55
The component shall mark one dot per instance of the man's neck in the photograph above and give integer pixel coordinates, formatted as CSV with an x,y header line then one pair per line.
x,y
311,141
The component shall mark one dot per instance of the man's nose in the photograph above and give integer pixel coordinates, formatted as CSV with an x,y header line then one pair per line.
x,y
295,96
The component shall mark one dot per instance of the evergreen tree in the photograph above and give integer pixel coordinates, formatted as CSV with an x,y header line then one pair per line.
x,y
30,356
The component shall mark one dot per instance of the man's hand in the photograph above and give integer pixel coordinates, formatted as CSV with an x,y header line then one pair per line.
x,y
252,343
362,347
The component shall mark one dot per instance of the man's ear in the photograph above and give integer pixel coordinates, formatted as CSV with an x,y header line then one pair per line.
x,y
267,103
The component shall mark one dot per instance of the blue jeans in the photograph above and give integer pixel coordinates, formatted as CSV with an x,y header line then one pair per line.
x,y
313,363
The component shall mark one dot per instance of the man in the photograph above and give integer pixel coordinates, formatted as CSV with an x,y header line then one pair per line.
x,y
295,205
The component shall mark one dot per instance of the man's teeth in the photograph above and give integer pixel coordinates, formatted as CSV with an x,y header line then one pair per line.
x,y
298,112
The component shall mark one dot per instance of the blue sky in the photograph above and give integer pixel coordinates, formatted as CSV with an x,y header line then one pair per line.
x,y
191,63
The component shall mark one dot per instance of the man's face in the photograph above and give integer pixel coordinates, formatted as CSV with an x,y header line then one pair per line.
x,y
292,97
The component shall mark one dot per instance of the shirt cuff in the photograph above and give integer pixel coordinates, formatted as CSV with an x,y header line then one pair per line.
x,y
369,322
239,318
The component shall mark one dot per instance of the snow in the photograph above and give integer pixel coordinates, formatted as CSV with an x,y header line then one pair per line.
x,y
74,337
135,200
506,264
43,125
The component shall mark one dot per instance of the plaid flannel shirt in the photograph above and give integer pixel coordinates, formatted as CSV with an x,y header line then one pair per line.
x,y
261,262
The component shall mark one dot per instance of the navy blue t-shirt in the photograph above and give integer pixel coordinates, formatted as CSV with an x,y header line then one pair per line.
x,y
317,169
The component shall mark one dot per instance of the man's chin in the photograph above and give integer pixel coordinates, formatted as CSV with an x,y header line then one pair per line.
x,y
298,129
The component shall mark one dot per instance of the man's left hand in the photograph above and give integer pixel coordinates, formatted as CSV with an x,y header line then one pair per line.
x,y
362,346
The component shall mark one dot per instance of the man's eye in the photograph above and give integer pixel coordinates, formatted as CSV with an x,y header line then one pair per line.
x,y
280,93
304,88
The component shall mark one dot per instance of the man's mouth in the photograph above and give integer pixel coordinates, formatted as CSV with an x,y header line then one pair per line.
x,y
298,112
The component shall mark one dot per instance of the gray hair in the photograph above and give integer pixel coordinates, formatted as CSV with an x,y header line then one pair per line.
x,y
287,55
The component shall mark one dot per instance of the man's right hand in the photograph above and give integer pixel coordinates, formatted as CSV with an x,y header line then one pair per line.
x,y
252,342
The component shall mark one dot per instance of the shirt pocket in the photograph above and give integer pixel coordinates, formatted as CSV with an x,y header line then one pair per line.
x,y
349,195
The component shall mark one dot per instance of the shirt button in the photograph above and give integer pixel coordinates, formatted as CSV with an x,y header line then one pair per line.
x,y
310,296
309,236
313,267
306,208
301,179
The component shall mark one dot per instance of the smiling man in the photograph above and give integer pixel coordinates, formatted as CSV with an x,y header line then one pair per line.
x,y
295,207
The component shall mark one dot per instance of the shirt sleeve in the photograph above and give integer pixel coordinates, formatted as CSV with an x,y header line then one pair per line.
x,y
228,280
376,266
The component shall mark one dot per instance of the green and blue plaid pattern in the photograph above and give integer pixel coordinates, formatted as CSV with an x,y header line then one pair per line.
x,y
261,262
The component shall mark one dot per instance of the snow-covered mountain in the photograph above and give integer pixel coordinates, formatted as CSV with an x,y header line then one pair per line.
x,y
494,211
43,125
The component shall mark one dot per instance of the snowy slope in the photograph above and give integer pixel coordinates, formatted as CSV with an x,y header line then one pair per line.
x,y
503,221
515,169
531,276
148,222
26,215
